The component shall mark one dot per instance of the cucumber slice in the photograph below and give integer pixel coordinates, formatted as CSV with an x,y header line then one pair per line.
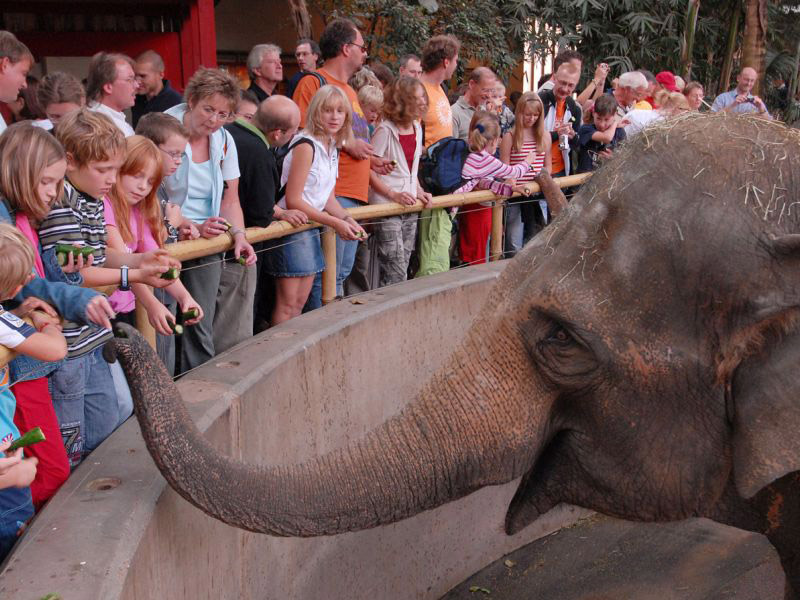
x,y
242,261
190,314
176,329
171,273
30,437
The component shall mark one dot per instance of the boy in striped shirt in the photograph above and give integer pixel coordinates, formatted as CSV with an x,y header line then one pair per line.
x,y
89,402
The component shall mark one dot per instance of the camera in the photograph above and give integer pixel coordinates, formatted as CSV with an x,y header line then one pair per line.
x,y
750,98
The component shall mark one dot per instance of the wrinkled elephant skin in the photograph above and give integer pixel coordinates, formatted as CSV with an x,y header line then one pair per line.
x,y
638,357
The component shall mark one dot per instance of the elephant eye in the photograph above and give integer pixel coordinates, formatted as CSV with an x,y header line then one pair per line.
x,y
558,335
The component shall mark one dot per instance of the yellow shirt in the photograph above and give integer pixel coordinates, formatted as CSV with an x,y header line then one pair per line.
x,y
643,105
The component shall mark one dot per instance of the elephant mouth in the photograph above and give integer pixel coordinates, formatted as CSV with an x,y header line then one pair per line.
x,y
534,496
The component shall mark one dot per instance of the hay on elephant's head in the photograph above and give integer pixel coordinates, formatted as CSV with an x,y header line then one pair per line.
x,y
712,157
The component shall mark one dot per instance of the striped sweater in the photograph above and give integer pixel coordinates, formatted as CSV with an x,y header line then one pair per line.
x,y
78,218
481,170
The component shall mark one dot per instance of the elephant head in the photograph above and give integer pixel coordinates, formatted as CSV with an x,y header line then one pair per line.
x,y
635,358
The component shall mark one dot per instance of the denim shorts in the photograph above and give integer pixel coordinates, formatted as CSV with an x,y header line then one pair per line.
x,y
296,255
16,509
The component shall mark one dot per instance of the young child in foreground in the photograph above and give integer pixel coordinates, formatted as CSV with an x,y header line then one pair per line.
x,y
134,224
42,341
90,396
598,140
482,170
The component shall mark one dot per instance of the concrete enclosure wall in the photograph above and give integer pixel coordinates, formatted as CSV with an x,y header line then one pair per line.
x,y
311,385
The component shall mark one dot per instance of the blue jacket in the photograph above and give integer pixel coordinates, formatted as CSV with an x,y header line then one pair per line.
x,y
68,299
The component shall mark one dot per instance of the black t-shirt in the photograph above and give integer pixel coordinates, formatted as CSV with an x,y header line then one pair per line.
x,y
165,99
589,148
259,180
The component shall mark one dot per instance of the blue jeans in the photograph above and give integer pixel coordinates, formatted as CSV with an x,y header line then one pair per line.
x,y
16,508
85,401
345,251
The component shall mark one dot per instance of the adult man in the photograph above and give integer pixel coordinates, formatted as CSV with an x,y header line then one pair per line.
x,y
111,87
307,54
15,62
274,123
562,116
740,99
155,93
265,70
410,66
480,89
629,87
343,50
439,62
593,90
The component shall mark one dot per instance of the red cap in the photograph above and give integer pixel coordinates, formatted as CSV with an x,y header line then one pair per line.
x,y
667,80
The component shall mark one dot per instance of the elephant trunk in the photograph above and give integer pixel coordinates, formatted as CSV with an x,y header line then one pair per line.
x,y
439,448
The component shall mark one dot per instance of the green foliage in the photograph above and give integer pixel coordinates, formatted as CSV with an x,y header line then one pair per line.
x,y
627,34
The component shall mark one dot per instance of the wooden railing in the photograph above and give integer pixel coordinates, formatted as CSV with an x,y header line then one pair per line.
x,y
190,249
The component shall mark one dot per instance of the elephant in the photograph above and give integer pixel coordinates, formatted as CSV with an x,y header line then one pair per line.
x,y
636,358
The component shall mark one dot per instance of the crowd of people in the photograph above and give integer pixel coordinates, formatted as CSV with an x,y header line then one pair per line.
x,y
89,199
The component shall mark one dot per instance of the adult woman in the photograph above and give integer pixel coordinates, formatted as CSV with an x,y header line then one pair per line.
x,y
309,174
206,187
669,104
398,138
694,94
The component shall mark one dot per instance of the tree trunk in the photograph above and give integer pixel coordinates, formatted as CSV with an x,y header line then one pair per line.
x,y
688,38
730,48
301,18
754,44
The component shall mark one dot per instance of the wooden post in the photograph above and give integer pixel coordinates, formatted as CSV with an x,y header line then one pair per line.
x,y
144,327
496,243
329,274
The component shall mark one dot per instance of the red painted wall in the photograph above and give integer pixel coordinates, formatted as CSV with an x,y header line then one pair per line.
x,y
183,52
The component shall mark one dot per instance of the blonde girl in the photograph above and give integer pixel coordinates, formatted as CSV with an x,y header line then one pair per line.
x,y
482,170
398,138
309,173
525,217
32,167
134,225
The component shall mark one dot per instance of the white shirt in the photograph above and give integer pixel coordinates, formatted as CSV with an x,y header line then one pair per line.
x,y
637,119
118,118
2,124
321,178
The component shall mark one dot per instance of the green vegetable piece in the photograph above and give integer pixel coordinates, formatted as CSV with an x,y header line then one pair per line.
x,y
51,596
242,261
176,329
171,273
482,590
227,225
67,248
190,314
31,437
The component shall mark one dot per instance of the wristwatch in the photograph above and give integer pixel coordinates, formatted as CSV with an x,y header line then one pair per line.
x,y
124,285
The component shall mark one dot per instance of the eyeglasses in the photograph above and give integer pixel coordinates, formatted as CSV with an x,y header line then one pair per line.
x,y
176,156
363,48
210,113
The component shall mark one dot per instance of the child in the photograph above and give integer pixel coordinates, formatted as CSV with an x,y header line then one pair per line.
x,y
599,139
32,166
525,217
59,93
481,169
42,341
134,224
89,401
398,137
309,174
170,137
15,62
371,100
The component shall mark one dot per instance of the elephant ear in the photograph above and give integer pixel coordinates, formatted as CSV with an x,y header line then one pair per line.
x,y
765,398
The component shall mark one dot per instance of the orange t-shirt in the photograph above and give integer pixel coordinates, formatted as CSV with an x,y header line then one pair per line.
x,y
353,179
439,119
558,160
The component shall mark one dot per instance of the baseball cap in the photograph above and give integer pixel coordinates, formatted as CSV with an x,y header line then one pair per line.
x,y
667,79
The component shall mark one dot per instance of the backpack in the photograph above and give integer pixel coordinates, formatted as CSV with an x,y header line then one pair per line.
x,y
281,154
440,166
